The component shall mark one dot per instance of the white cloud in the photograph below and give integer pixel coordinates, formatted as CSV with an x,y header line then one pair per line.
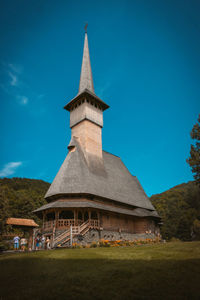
x,y
13,79
10,168
15,68
16,87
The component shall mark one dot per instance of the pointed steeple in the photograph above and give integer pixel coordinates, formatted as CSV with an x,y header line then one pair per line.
x,y
86,95
86,81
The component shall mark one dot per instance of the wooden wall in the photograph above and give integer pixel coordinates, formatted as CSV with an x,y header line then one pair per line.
x,y
126,223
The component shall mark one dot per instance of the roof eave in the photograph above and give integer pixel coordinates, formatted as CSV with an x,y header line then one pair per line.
x,y
86,93
57,196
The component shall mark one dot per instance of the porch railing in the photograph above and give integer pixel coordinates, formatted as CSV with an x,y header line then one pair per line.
x,y
66,223
49,225
93,223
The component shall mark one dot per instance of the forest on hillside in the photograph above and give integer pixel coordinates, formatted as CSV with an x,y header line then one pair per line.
x,y
179,207
19,197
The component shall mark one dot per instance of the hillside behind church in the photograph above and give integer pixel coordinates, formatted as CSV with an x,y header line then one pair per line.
x,y
179,206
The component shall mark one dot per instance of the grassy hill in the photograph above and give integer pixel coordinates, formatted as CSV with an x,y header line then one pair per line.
x,y
179,208
20,196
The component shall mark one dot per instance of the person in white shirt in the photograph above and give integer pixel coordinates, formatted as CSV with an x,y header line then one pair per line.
x,y
16,242
23,243
43,240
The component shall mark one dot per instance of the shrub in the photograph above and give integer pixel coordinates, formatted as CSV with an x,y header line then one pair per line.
x,y
3,246
93,245
104,243
76,245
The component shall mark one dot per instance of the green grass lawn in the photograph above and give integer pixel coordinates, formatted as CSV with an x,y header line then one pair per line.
x,y
159,271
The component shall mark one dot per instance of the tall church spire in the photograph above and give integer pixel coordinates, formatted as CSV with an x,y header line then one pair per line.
x,y
86,81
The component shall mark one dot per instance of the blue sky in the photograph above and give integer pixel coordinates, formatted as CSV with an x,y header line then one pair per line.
x,y
145,58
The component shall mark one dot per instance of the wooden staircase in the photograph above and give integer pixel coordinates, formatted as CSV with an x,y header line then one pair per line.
x,y
64,237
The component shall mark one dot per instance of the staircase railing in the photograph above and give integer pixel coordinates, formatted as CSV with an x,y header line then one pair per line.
x,y
82,229
61,236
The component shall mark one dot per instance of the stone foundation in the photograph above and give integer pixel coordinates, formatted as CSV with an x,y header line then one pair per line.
x,y
94,235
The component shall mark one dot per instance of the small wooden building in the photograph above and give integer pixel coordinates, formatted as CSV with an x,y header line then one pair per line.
x,y
25,224
93,191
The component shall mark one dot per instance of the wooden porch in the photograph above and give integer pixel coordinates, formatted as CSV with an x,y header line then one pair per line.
x,y
65,218
64,224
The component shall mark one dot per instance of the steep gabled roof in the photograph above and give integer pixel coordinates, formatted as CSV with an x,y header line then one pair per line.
x,y
108,179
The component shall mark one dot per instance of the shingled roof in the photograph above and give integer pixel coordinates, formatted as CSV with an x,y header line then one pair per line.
x,y
107,178
21,222
138,212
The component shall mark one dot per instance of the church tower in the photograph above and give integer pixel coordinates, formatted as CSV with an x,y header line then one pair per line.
x,y
86,111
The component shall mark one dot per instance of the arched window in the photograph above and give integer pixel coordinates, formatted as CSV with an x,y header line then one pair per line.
x,y
80,216
94,215
66,214
50,216
86,216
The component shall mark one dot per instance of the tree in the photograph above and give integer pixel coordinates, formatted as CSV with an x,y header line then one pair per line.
x,y
4,208
194,159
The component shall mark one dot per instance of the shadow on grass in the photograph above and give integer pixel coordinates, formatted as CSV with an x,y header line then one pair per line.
x,y
51,278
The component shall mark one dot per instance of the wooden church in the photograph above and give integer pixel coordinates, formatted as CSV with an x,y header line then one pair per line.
x,y
93,194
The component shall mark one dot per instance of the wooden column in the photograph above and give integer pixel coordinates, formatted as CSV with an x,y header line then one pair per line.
x,y
75,217
56,218
43,219
98,216
83,214
30,239
89,214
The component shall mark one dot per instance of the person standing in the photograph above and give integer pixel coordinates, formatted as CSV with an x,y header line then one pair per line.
x,y
48,243
37,243
16,242
43,240
23,243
